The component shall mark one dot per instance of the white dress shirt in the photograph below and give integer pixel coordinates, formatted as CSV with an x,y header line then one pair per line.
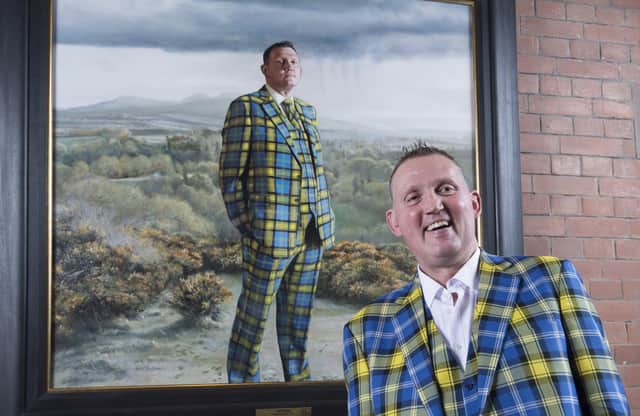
x,y
279,98
454,319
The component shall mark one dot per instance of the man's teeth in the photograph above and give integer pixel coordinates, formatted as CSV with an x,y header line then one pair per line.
x,y
437,224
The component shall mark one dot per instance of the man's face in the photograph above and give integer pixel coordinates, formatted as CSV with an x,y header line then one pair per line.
x,y
434,212
282,71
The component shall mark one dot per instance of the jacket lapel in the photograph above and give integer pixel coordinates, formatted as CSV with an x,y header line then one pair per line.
x,y
497,293
271,109
410,328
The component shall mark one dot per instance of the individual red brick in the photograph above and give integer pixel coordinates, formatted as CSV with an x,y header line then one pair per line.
x,y
627,249
567,106
535,204
597,227
597,207
615,52
626,207
528,83
615,34
628,147
633,332
525,8
627,354
555,47
582,49
577,68
535,163
630,72
616,332
557,125
536,64
550,85
581,12
635,229
596,166
588,126
566,205
620,187
566,247
527,45
605,289
598,248
616,310
619,269
588,269
616,90
610,16
591,146
529,123
543,225
628,4
631,289
523,103
614,109
633,396
619,128
565,185
537,246
565,165
630,375
635,55
539,143
525,183
551,28
550,9
632,18
587,88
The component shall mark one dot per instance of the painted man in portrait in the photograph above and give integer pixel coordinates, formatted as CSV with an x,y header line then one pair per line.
x,y
275,191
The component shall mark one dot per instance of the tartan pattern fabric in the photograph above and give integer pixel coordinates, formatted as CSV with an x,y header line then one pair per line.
x,y
292,282
458,388
260,174
540,348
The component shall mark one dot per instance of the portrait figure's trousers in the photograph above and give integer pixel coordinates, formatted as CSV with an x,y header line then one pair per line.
x,y
292,281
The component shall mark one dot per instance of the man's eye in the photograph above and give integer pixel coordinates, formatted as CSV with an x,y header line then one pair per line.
x,y
447,189
412,198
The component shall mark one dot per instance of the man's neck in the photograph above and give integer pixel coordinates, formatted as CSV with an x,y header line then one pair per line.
x,y
443,273
284,93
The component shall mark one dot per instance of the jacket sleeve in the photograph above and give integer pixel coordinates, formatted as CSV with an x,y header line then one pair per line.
x,y
233,164
356,376
596,377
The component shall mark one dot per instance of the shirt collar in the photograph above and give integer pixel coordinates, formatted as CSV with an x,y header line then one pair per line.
x,y
279,98
466,275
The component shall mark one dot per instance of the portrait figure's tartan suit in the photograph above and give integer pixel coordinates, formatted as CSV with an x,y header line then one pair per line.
x,y
261,178
537,348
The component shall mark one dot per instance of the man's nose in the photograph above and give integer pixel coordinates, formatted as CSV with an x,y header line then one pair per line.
x,y
432,204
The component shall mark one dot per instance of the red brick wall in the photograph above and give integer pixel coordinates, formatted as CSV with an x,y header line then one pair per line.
x,y
579,97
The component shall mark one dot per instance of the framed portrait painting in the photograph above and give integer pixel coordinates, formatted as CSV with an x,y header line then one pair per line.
x,y
133,267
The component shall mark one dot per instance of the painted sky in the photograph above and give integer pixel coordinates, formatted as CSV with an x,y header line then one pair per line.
x,y
377,61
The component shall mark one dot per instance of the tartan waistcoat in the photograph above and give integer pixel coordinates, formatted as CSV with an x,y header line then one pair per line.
x,y
458,388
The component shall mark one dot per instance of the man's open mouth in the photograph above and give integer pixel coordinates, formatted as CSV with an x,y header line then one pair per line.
x,y
438,225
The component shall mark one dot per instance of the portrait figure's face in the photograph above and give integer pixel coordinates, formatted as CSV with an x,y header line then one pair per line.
x,y
282,70
434,211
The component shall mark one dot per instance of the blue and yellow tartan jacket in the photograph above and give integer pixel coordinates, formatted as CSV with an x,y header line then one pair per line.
x,y
260,175
539,344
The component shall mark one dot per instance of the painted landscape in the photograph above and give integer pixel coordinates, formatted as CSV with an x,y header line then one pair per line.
x,y
146,263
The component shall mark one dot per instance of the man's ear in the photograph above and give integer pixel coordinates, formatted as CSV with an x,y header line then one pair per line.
x,y
263,69
392,223
476,203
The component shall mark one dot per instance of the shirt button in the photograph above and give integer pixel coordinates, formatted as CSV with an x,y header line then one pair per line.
x,y
469,386
458,347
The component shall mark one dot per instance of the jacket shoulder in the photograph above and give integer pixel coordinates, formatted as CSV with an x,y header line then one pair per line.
x,y
385,306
